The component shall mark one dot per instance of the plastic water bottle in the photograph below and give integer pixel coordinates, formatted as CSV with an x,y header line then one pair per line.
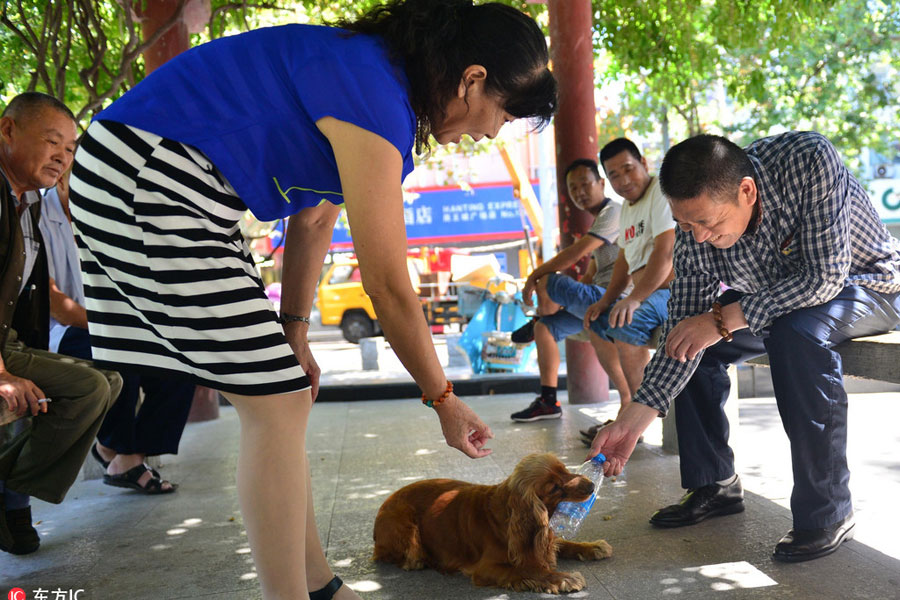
x,y
568,516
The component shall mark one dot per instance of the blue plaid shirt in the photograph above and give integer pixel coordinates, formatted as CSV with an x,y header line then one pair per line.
x,y
818,233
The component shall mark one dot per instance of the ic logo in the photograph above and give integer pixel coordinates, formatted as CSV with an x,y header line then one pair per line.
x,y
16,594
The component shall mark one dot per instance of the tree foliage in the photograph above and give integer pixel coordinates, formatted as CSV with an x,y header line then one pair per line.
x,y
743,67
87,52
751,67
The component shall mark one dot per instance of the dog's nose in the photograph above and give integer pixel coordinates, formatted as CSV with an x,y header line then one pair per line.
x,y
586,486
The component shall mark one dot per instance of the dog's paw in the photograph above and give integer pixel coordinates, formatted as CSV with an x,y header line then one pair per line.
x,y
412,564
584,550
554,583
569,582
597,550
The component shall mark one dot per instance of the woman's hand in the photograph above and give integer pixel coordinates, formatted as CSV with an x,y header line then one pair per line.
x,y
462,428
300,346
691,336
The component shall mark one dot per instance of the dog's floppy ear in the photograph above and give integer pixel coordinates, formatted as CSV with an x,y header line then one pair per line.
x,y
529,532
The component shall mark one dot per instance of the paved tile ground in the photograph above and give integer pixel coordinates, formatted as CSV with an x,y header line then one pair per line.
x,y
118,545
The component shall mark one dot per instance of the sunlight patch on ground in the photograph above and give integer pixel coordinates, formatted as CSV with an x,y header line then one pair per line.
x,y
766,469
425,451
731,576
184,525
364,586
599,413
375,494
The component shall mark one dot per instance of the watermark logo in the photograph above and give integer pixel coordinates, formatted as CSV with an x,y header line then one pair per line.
x,y
42,594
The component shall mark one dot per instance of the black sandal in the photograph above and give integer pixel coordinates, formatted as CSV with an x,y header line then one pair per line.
x,y
130,478
105,463
327,592
96,454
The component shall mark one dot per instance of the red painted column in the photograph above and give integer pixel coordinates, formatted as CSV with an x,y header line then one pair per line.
x,y
154,14
572,55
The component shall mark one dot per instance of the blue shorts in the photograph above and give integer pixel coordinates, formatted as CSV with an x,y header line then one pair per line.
x,y
651,314
575,297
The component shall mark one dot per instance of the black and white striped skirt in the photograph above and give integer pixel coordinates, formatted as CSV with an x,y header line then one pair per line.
x,y
170,285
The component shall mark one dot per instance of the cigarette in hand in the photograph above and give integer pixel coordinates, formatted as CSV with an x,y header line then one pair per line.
x,y
40,400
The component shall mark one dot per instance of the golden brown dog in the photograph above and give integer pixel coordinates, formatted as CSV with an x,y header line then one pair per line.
x,y
496,534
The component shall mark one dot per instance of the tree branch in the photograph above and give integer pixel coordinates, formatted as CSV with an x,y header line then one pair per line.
x,y
130,53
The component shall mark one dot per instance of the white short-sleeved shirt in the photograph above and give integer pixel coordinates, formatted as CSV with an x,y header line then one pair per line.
x,y
641,222
62,255
606,227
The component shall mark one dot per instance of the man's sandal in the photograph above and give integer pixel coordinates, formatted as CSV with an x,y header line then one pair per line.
x,y
105,463
98,457
327,592
130,478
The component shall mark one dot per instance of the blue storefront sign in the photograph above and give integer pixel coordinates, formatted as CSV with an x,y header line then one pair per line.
x,y
445,215
453,215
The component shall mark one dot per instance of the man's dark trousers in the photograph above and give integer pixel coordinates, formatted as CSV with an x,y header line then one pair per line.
x,y
809,390
157,427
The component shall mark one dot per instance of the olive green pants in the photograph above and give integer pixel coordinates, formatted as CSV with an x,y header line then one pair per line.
x,y
43,460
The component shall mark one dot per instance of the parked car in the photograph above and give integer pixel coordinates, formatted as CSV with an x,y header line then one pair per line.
x,y
342,301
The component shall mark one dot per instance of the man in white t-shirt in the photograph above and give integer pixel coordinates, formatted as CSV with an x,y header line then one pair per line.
x,y
562,300
646,242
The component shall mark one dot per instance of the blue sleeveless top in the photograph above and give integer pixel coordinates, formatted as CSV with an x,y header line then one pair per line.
x,y
250,103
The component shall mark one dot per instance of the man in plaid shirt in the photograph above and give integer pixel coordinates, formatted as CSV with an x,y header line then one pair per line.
x,y
809,264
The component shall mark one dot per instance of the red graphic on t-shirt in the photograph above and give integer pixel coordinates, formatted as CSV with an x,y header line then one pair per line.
x,y
629,233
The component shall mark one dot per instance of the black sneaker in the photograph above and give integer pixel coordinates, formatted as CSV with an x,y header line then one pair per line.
x,y
25,538
525,333
538,410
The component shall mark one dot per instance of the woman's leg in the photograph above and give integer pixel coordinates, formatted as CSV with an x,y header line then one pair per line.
x,y
318,573
273,488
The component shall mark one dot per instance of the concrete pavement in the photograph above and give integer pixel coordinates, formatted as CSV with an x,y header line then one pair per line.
x,y
116,544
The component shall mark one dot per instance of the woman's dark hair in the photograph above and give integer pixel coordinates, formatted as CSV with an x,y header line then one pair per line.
x,y
438,39
584,162
705,163
616,147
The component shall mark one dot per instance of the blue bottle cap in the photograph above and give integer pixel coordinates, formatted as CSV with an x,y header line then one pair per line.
x,y
599,459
